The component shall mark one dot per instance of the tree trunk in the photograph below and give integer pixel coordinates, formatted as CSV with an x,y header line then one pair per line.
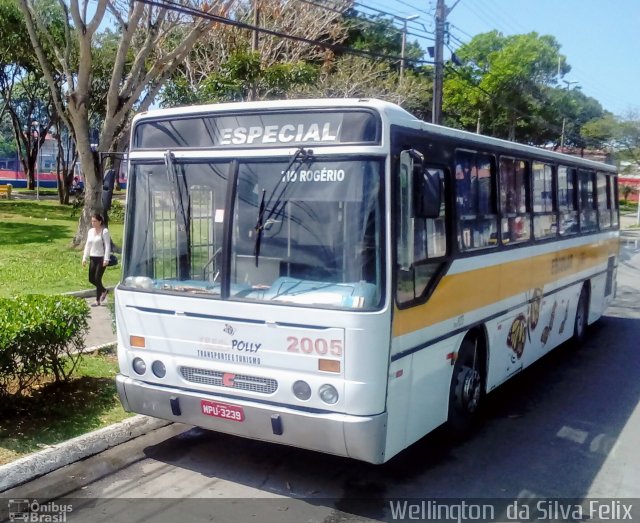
x,y
92,176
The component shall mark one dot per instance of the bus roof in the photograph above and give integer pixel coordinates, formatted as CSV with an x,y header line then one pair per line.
x,y
391,113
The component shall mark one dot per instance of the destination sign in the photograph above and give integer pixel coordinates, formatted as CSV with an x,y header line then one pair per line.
x,y
264,129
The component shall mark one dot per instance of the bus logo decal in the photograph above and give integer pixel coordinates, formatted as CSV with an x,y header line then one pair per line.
x,y
229,329
228,379
518,335
534,309
549,328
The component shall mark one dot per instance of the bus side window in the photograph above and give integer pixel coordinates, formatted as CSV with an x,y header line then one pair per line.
x,y
544,216
604,200
613,195
514,198
475,200
587,200
421,242
567,201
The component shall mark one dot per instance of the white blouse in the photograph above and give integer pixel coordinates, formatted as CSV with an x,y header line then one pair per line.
x,y
98,244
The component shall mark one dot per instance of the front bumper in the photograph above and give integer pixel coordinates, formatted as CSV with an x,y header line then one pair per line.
x,y
358,437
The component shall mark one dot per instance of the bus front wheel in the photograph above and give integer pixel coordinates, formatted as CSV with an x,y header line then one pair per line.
x,y
582,315
467,388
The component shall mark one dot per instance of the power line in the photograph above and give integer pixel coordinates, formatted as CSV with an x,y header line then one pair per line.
x,y
425,34
168,4
413,8
363,22
452,26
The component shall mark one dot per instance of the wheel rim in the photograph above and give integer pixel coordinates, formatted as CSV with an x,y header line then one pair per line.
x,y
469,390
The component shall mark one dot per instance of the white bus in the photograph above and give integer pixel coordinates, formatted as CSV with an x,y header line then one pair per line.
x,y
339,276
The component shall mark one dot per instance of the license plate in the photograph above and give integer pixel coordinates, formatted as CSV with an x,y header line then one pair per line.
x,y
222,410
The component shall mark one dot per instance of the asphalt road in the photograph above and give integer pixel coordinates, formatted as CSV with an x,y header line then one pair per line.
x,y
564,431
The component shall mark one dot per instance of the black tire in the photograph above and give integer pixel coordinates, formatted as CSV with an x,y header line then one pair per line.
x,y
466,393
582,316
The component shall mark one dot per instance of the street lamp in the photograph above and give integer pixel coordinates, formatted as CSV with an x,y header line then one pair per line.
x,y
36,125
564,119
404,39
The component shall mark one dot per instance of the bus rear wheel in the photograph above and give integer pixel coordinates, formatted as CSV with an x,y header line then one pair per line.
x,y
467,389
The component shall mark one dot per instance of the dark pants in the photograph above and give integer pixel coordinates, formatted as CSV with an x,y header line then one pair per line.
x,y
96,270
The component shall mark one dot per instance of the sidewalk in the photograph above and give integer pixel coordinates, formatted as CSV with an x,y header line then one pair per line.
x,y
100,322
628,220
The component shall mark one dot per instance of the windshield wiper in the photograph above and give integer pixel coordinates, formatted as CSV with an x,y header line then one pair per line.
x,y
259,227
179,192
300,156
175,189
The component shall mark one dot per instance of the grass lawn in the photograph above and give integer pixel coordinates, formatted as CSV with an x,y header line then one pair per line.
x,y
36,255
56,413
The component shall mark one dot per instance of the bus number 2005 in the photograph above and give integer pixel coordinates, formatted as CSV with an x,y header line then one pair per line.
x,y
320,346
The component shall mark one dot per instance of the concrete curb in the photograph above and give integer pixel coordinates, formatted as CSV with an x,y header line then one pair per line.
x,y
87,293
57,456
103,346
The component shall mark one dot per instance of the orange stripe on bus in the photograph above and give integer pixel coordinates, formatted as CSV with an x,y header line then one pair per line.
x,y
461,293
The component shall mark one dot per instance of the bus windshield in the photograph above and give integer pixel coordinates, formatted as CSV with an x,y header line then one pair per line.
x,y
299,230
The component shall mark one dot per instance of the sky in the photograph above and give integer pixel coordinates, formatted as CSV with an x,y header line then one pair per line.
x,y
600,38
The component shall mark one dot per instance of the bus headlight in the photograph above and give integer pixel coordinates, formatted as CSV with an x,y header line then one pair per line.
x,y
158,368
301,390
139,366
138,282
328,394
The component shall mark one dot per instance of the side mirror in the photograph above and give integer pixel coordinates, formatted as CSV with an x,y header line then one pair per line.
x,y
427,196
426,188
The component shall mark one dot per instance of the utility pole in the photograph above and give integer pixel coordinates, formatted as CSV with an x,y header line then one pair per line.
x,y
252,95
404,41
441,16
564,120
256,19
36,126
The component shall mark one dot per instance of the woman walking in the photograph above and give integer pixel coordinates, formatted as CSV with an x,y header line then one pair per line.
x,y
97,250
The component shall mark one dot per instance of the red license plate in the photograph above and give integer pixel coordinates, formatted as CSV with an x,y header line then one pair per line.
x,y
222,410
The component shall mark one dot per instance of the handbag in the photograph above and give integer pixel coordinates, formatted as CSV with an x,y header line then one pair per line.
x,y
113,259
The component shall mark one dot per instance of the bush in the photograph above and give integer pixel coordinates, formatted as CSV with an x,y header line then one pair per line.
x,y
116,213
40,337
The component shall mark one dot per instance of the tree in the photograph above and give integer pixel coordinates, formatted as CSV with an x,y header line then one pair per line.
x,y
157,38
358,77
377,34
569,110
502,84
24,96
7,142
224,66
622,136
32,117
27,96
626,190
241,77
